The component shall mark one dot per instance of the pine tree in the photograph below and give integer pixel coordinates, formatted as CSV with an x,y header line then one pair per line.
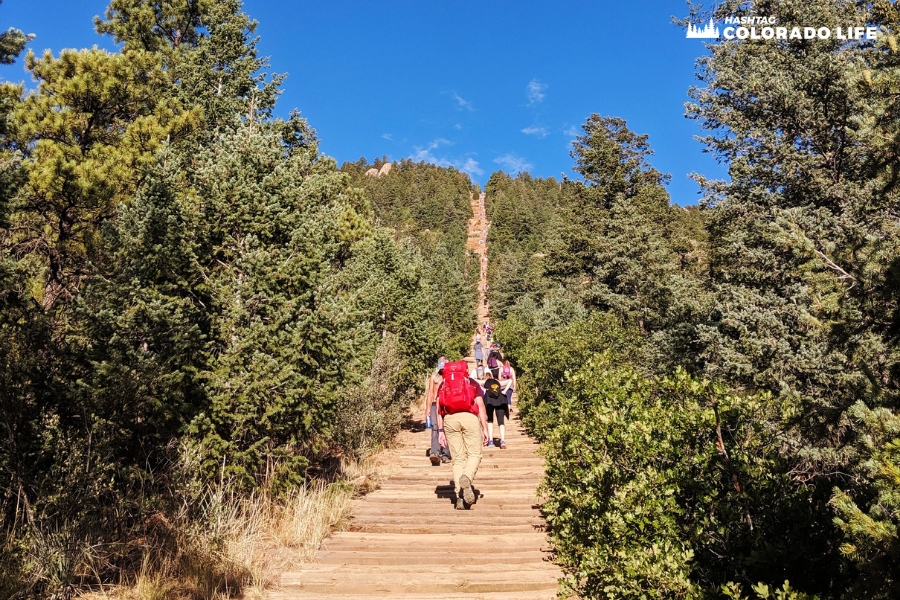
x,y
83,140
618,248
208,50
12,42
803,251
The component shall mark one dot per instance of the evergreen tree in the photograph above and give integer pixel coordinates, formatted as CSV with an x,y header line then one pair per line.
x,y
12,42
208,49
619,249
803,251
82,140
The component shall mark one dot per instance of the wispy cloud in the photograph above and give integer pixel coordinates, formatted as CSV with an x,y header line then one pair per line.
x,y
463,103
388,137
535,92
573,131
538,131
457,126
513,163
426,154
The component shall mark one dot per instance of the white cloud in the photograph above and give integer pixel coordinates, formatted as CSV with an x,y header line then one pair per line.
x,y
463,103
471,167
538,131
573,131
513,163
457,126
388,137
535,92
426,154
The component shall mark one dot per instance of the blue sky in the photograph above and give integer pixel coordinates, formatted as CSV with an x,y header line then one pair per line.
x,y
483,85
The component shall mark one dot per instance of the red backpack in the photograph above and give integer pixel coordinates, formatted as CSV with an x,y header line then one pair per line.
x,y
456,393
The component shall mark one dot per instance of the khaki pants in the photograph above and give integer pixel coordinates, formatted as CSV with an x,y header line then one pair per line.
x,y
464,436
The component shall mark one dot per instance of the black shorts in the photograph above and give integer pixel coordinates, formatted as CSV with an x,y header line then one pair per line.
x,y
501,411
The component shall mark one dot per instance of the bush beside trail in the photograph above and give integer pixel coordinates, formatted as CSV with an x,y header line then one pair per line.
x,y
662,486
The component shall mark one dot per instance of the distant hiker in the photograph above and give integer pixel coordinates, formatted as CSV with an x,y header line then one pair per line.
x,y
479,351
494,360
508,380
439,452
495,404
462,425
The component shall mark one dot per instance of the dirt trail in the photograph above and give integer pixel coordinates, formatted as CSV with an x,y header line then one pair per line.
x,y
406,541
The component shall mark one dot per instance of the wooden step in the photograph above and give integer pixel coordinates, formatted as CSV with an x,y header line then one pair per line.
x,y
475,556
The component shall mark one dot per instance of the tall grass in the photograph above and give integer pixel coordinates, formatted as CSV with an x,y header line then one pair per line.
x,y
235,544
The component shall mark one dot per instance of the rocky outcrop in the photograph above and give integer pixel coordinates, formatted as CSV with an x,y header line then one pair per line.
x,y
373,172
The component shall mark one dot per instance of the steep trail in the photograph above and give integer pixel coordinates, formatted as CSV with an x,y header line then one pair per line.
x,y
406,541
477,242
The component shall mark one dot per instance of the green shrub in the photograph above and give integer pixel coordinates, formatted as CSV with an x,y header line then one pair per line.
x,y
371,413
671,487
547,359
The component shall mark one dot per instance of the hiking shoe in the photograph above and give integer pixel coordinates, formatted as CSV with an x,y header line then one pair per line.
x,y
465,486
490,444
445,458
503,444
435,460
460,504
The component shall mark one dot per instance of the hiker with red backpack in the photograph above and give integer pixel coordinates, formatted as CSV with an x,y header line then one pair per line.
x,y
462,425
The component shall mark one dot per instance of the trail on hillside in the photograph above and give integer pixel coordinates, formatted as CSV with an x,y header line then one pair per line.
x,y
406,540
479,226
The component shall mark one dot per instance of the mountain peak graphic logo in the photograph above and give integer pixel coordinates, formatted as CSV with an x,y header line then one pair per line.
x,y
710,31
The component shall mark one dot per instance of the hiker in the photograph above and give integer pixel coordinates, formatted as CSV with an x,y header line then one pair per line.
x,y
439,452
508,380
494,360
462,425
495,404
479,351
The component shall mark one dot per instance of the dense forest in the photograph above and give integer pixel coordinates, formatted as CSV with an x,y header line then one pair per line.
x,y
205,321
196,305
716,387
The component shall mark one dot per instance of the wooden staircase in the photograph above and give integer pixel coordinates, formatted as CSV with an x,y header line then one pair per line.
x,y
406,540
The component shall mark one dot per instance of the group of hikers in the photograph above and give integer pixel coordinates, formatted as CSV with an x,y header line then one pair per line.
x,y
461,406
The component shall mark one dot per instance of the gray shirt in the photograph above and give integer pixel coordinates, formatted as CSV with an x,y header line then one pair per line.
x,y
479,351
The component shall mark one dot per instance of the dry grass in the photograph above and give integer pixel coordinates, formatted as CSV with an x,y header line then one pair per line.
x,y
238,547
239,544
